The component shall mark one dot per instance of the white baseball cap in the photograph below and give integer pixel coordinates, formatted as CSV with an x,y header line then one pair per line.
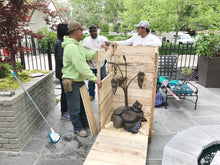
x,y
143,24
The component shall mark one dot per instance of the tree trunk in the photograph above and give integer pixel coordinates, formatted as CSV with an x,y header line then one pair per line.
x,y
179,19
13,61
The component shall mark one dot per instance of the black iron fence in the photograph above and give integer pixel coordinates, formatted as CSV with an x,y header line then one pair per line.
x,y
187,54
40,56
187,59
36,56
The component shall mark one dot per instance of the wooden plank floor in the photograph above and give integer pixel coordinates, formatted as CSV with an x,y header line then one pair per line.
x,y
119,147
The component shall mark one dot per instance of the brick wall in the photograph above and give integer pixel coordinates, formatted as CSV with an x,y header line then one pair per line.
x,y
19,119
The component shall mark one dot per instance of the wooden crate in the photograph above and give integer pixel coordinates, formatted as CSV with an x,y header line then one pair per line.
x,y
117,146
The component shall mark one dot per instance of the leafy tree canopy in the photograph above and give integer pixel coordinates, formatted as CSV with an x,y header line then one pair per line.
x,y
169,15
14,18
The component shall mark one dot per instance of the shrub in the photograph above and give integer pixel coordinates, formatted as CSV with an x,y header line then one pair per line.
x,y
117,26
5,67
19,65
208,44
105,28
115,37
49,35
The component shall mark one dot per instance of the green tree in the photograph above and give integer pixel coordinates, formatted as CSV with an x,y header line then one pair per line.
x,y
90,12
169,15
117,26
105,28
112,9
205,14
84,11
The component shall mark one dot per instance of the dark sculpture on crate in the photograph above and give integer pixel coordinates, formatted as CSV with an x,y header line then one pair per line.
x,y
129,117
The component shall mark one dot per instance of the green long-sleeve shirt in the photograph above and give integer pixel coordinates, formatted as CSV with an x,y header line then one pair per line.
x,y
75,56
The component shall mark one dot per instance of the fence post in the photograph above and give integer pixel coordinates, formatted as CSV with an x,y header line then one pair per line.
x,y
49,54
33,46
22,58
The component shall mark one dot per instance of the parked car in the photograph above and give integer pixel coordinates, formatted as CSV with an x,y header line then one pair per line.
x,y
182,38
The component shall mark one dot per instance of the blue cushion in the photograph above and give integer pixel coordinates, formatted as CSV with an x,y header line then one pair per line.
x,y
181,89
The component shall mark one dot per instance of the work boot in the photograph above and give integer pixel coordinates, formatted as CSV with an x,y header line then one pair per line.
x,y
82,133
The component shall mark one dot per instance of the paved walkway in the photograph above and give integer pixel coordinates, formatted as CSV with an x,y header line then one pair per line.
x,y
180,116
72,149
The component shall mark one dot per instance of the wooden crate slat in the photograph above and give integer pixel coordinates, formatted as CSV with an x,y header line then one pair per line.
x,y
102,54
105,95
148,68
105,111
134,59
90,161
112,157
121,133
119,145
131,100
130,50
106,87
135,92
89,111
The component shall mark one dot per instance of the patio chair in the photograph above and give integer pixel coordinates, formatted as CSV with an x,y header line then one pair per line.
x,y
167,68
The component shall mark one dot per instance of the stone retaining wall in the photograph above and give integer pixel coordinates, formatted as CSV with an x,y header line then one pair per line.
x,y
19,119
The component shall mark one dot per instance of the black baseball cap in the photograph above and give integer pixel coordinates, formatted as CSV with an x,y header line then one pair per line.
x,y
92,27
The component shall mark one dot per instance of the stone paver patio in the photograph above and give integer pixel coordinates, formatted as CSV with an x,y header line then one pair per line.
x,y
179,116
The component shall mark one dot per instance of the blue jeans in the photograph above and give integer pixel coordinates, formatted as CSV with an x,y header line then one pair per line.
x,y
76,107
63,101
91,84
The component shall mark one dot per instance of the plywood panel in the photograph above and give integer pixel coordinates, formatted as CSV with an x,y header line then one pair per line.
x,y
105,100
89,111
135,92
131,50
136,68
105,111
116,158
119,147
103,54
134,59
91,161
106,87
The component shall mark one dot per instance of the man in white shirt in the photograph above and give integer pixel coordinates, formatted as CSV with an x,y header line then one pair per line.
x,y
143,38
91,43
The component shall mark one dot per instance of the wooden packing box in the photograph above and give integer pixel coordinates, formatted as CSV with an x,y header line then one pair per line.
x,y
117,146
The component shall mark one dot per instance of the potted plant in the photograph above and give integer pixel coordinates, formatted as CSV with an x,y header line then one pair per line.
x,y
208,49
